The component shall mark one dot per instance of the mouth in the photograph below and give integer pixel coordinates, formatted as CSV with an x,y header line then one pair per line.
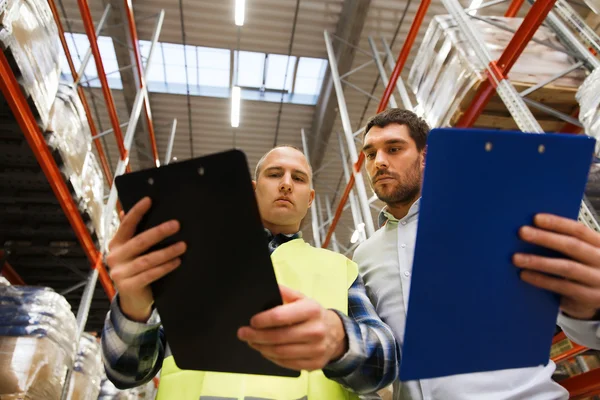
x,y
383,179
283,200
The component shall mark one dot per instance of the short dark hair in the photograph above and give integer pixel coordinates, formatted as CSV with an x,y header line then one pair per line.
x,y
260,162
417,127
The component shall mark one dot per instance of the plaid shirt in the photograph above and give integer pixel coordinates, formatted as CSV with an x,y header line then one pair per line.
x,y
133,352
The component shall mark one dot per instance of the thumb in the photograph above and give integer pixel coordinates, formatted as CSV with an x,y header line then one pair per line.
x,y
290,295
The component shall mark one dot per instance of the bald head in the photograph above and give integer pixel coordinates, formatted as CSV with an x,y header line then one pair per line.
x,y
282,152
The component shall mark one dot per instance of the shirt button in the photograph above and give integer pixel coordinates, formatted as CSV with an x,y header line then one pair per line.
x,y
406,273
403,245
403,222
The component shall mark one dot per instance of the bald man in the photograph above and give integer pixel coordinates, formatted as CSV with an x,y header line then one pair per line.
x,y
326,328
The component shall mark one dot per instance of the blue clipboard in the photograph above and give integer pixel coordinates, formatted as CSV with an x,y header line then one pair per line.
x,y
468,310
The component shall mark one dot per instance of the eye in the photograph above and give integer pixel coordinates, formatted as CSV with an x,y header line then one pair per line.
x,y
370,156
394,149
299,179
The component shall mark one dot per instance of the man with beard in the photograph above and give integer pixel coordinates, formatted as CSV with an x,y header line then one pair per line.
x,y
395,150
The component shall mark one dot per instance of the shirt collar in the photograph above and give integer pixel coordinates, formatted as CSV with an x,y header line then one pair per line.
x,y
385,215
289,236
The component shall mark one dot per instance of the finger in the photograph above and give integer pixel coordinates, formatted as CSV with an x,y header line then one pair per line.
x,y
121,214
148,261
568,227
567,245
568,269
151,275
289,351
287,314
290,295
301,333
130,222
145,240
576,291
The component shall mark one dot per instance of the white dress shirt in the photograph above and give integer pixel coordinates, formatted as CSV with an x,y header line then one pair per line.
x,y
385,262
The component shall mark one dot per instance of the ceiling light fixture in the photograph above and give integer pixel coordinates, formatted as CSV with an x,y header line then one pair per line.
x,y
240,11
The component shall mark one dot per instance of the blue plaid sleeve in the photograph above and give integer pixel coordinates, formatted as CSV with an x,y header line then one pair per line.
x,y
132,352
372,360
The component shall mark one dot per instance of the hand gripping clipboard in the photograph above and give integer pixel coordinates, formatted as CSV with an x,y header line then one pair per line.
x,y
226,275
468,310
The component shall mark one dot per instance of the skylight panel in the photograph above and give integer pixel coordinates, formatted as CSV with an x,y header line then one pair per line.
x,y
276,72
213,66
250,69
78,45
309,77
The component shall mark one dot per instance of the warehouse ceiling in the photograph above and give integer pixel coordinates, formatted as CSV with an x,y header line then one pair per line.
x,y
273,29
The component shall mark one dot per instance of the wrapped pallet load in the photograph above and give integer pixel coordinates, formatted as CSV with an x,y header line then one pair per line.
x,y
588,97
68,136
37,330
446,72
87,370
29,38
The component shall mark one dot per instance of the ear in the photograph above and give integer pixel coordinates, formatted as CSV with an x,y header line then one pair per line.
x,y
424,156
312,197
254,185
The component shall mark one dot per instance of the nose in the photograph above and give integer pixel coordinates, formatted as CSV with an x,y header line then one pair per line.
x,y
381,160
286,184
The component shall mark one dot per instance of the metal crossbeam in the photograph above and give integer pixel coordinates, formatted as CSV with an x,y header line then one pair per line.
x,y
551,79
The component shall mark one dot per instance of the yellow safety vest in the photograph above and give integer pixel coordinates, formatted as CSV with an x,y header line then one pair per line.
x,y
320,274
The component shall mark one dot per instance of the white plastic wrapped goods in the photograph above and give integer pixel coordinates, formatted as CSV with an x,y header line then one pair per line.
x,y
446,68
588,97
112,228
89,187
87,370
29,33
4,281
37,329
68,131
31,368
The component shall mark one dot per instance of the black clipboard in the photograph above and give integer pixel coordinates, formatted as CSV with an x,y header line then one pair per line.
x,y
226,275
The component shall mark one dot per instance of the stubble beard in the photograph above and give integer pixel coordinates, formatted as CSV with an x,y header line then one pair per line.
x,y
407,188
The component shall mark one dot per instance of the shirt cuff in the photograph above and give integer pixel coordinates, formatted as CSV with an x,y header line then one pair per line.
x,y
351,359
583,332
132,332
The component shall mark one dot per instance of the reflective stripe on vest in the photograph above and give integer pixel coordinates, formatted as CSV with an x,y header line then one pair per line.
x,y
320,274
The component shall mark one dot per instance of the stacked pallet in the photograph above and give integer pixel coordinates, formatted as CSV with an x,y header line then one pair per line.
x,y
446,73
29,39
588,97
37,331
68,136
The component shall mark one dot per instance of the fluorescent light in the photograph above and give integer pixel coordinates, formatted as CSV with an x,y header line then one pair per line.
x,y
240,11
236,93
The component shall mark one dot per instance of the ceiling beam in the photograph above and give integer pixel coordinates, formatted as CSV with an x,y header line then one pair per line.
x,y
126,57
349,28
